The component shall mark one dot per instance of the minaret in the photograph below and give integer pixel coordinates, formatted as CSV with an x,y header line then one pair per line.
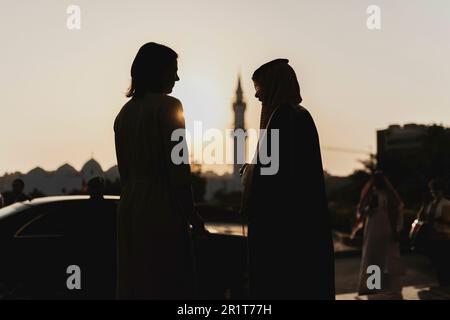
x,y
239,110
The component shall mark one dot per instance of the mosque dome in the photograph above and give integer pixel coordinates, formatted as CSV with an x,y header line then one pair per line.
x,y
38,171
66,169
91,169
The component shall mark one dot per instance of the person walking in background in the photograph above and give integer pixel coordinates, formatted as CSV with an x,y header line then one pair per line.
x,y
437,214
155,256
289,237
381,211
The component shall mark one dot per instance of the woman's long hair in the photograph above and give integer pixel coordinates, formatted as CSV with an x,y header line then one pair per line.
x,y
150,69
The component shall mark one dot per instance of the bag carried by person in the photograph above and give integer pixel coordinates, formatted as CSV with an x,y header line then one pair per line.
x,y
422,229
420,234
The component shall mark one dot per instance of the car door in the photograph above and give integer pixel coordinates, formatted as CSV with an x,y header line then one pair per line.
x,y
45,249
93,243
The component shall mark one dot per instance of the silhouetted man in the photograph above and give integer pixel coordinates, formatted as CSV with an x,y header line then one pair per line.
x,y
17,191
438,214
96,188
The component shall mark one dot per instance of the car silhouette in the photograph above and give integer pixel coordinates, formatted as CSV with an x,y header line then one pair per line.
x,y
41,239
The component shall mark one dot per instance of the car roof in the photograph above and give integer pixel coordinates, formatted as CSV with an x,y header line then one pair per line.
x,y
18,206
53,199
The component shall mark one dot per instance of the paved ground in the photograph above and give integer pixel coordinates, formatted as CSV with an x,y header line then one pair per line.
x,y
408,293
419,282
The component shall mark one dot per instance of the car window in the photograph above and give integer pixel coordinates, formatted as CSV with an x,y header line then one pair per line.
x,y
72,218
51,221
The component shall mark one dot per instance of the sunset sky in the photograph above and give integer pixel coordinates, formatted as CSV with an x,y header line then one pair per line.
x,y
61,89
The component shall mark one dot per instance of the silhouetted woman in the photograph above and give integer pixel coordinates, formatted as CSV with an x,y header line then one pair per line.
x,y
155,258
290,243
380,210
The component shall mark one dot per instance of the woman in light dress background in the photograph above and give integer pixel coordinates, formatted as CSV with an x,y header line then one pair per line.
x,y
155,254
381,212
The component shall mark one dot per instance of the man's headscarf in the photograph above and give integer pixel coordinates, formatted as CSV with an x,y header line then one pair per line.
x,y
279,85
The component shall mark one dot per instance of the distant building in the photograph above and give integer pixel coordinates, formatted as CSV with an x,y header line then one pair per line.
x,y
414,150
91,169
61,181
407,138
230,182
239,107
